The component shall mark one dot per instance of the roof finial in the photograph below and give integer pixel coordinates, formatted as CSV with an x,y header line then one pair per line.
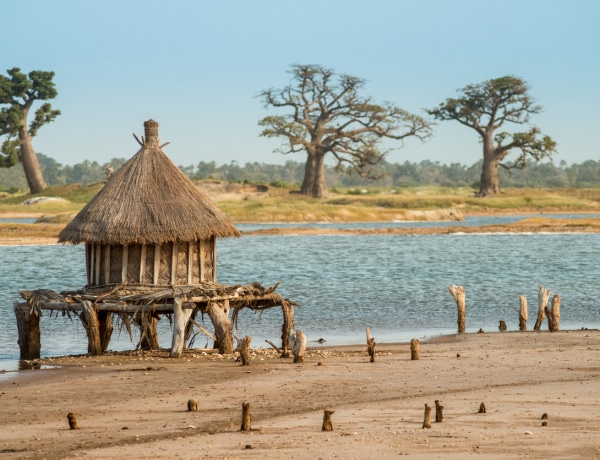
x,y
151,130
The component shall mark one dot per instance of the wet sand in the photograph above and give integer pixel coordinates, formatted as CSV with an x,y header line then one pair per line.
x,y
134,405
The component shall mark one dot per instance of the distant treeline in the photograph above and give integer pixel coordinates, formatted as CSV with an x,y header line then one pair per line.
x,y
541,175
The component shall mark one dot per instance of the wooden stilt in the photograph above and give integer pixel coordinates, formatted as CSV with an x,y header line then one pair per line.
x,y
106,329
458,292
180,320
89,318
288,325
327,425
370,345
148,333
28,325
427,417
218,312
543,296
523,314
246,417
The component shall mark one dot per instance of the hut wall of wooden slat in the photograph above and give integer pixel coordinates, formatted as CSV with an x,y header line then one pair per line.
x,y
163,265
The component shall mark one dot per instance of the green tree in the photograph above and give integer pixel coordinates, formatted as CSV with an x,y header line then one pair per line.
x,y
486,107
18,92
327,116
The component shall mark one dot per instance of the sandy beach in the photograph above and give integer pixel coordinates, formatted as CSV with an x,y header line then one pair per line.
x,y
134,404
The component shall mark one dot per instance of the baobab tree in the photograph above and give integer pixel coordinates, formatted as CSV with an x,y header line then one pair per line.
x,y
488,106
18,92
327,116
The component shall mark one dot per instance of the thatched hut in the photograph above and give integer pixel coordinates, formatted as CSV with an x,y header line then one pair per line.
x,y
149,224
150,237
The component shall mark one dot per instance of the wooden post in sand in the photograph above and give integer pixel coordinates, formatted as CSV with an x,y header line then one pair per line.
x,y
427,417
553,314
288,325
482,409
298,342
28,325
327,425
246,417
438,412
414,349
72,418
180,320
523,313
89,318
370,345
192,405
245,350
543,296
458,292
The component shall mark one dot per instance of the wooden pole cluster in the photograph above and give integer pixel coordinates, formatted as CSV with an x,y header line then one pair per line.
x,y
414,349
370,345
458,292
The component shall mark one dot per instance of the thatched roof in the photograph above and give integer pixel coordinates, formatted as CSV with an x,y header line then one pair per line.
x,y
148,201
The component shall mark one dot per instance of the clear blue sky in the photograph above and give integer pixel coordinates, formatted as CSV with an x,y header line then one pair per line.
x,y
197,66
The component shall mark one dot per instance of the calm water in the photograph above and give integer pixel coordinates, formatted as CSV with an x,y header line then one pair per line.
x,y
397,285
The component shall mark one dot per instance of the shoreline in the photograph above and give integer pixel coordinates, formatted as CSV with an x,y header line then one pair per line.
x,y
135,406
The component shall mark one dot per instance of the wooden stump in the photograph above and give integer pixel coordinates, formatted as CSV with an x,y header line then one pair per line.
x,y
246,417
370,345
523,314
414,349
438,412
427,417
245,350
458,292
543,296
106,329
192,405
28,325
288,326
327,425
89,318
218,313
298,342
553,314
502,326
180,321
481,409
72,418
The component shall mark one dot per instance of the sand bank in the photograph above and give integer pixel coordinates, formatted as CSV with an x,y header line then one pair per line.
x,y
134,405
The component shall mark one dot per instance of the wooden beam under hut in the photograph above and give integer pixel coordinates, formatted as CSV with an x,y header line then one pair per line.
x,y
96,306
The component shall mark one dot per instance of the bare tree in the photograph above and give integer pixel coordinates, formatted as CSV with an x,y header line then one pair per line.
x,y
486,107
18,92
328,116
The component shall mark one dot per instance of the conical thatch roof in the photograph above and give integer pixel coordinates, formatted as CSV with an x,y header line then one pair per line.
x,y
148,201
